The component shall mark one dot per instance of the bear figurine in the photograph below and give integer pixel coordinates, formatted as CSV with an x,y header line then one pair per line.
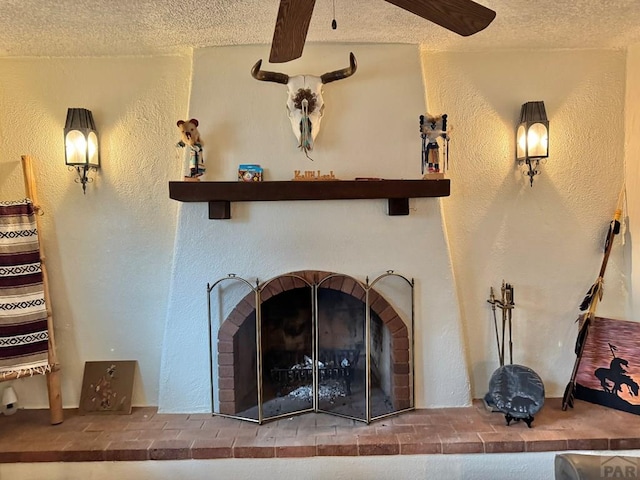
x,y
191,142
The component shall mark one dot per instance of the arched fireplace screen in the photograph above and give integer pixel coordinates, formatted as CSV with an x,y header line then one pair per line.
x,y
311,341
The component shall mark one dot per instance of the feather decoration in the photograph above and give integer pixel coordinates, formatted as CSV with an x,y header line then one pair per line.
x,y
588,298
306,139
614,229
597,289
582,335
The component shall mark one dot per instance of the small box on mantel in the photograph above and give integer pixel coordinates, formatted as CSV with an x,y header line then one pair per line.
x,y
433,176
249,172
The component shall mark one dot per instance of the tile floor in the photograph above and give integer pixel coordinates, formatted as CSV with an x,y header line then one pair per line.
x,y
147,435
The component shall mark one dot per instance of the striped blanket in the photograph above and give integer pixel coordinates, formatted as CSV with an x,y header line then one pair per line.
x,y
23,315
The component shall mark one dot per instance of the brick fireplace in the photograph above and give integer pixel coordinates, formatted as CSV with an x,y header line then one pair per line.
x,y
341,343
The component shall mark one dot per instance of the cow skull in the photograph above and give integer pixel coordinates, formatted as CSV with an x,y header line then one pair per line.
x,y
305,104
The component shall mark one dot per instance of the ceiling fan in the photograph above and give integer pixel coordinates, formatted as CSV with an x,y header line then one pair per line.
x,y
463,17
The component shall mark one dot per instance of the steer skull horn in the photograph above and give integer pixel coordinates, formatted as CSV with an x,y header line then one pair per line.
x,y
343,73
265,76
305,104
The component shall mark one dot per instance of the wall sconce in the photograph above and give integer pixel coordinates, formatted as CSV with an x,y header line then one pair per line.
x,y
532,137
81,144
9,401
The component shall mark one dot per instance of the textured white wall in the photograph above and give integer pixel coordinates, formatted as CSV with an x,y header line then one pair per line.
x,y
370,128
632,174
109,252
546,240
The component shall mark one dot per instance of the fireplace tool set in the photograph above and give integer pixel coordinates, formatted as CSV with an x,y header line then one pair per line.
x,y
506,306
514,390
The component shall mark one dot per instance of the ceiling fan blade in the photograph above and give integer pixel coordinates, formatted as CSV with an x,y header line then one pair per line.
x,y
291,29
463,17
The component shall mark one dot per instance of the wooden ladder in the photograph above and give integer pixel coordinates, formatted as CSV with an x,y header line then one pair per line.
x,y
53,376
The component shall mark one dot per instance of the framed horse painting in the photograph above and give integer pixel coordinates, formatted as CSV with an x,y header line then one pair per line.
x,y
609,371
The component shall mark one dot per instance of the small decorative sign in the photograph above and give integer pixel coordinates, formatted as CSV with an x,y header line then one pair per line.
x,y
311,175
250,173
107,387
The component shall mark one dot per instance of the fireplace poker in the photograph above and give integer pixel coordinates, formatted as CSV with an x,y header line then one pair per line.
x,y
492,301
504,317
509,307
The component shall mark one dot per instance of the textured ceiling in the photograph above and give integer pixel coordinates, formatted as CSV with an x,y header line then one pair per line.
x,y
132,27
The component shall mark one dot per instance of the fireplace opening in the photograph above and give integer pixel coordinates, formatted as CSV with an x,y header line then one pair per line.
x,y
319,341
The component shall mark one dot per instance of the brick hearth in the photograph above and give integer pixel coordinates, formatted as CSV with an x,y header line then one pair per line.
x,y
147,435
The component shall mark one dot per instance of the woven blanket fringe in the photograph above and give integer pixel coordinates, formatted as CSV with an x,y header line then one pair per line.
x,y
27,371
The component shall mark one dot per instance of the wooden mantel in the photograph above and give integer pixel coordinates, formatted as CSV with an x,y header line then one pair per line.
x,y
219,195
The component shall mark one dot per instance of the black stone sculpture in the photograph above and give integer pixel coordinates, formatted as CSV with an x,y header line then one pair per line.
x,y
517,392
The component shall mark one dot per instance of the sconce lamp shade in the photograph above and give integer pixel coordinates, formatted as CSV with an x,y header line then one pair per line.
x,y
532,137
533,132
81,144
81,138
